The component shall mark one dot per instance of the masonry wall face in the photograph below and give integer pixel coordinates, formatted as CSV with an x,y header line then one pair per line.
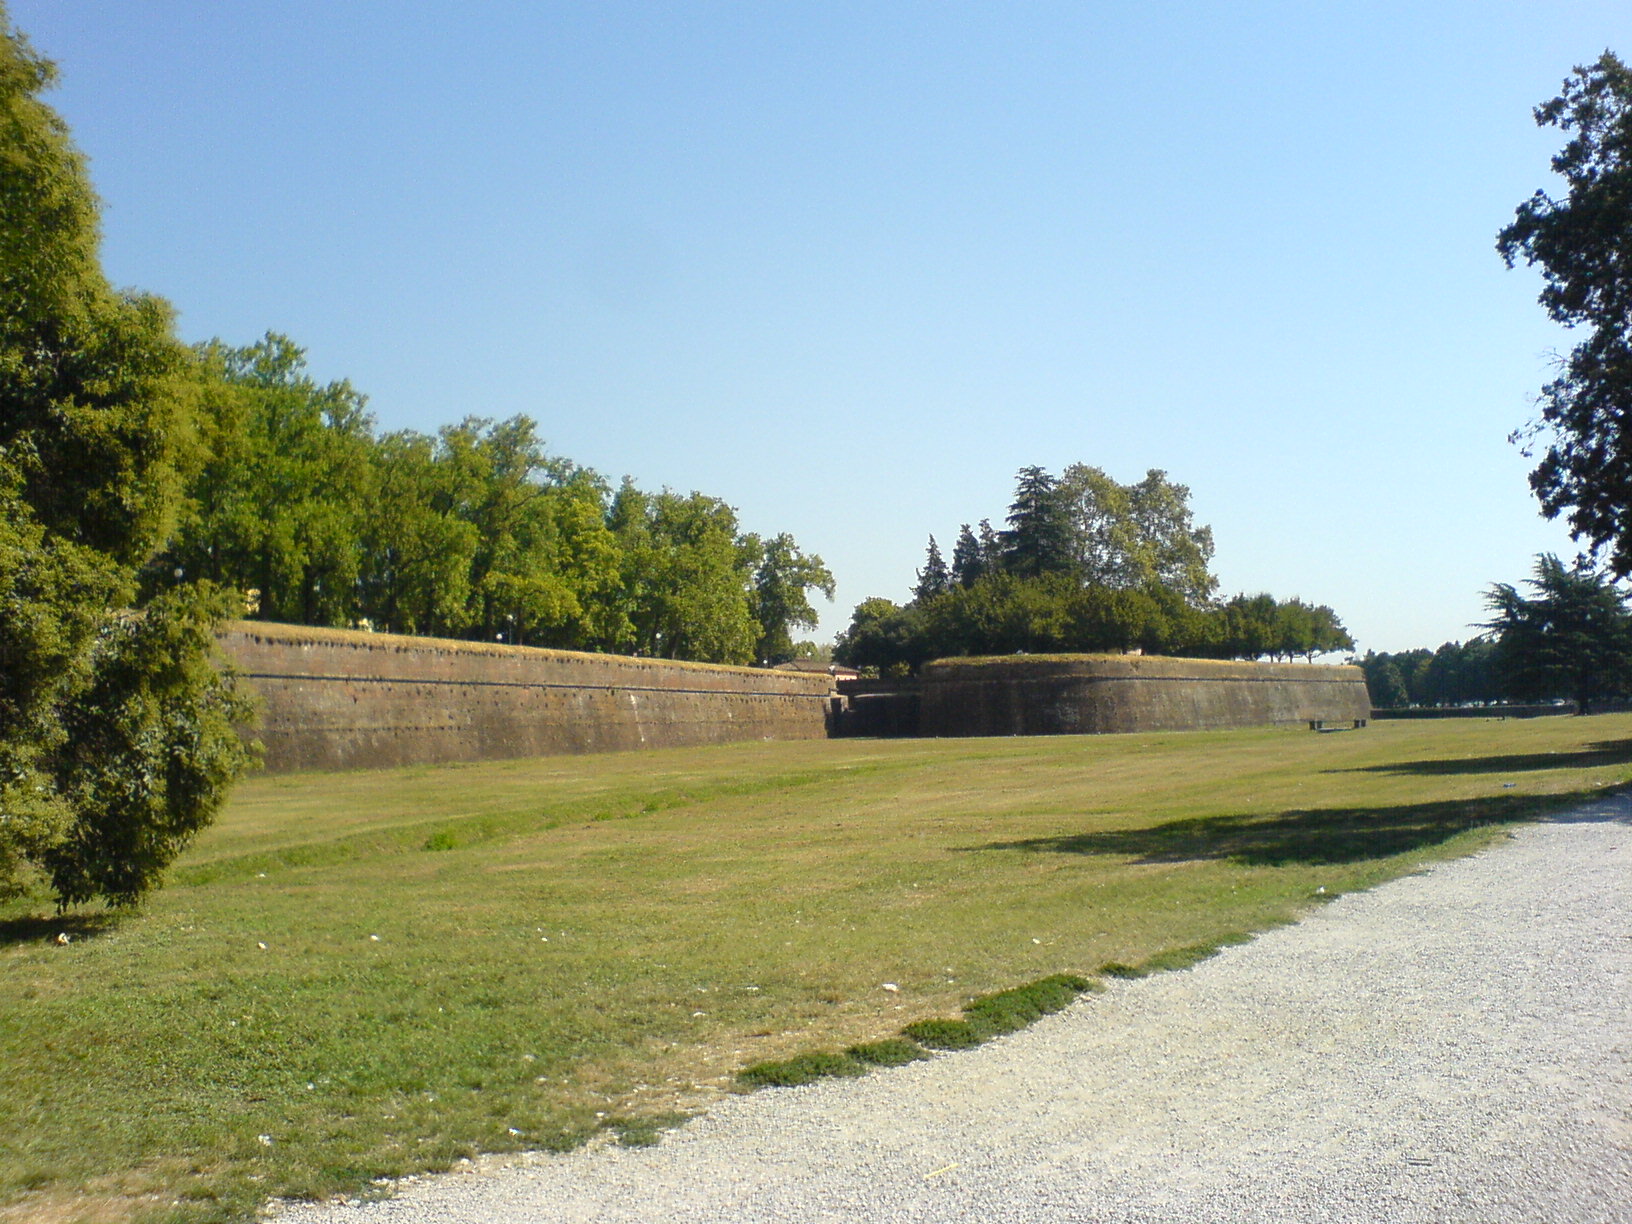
x,y
1073,694
333,699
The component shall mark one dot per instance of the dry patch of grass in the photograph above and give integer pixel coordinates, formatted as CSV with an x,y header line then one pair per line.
x,y
360,976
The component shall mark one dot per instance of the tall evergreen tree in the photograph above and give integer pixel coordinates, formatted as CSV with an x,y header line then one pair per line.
x,y
934,578
1038,540
1572,639
968,558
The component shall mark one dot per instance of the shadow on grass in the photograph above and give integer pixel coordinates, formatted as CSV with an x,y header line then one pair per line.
x,y
1606,752
1311,836
37,928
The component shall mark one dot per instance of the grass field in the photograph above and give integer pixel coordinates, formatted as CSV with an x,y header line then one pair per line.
x,y
358,976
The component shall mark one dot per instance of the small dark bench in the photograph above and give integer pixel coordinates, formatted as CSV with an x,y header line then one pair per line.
x,y
1327,724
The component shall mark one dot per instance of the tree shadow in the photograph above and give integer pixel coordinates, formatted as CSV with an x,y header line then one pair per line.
x,y
1308,836
1605,752
41,928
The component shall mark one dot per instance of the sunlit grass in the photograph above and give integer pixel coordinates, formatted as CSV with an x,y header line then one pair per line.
x,y
358,976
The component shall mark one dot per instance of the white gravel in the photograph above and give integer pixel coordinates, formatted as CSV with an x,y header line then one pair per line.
x,y
1454,1046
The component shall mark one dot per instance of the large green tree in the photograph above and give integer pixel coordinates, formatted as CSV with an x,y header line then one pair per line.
x,y
116,732
784,576
418,551
1572,638
1038,540
1582,242
283,485
687,576
1136,535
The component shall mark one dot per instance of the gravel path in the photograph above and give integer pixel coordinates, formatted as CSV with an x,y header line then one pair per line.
x,y
1455,1046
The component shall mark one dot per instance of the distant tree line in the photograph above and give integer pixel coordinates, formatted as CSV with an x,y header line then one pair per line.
x,y
476,531
1569,639
1084,564
1457,673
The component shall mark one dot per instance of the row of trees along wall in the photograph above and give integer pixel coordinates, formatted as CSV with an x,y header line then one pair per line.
x,y
475,532
1085,565
1569,640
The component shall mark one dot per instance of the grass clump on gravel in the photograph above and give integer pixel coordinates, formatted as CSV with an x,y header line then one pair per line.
x,y
800,1069
942,1034
984,1017
890,1052
368,975
1004,1011
1174,958
1008,1011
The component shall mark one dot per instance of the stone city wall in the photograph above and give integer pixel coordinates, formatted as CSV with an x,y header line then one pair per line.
x,y
336,699
1067,694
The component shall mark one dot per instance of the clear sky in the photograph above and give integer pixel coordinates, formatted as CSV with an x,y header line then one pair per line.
x,y
849,266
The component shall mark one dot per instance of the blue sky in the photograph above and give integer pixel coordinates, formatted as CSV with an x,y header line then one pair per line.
x,y
850,266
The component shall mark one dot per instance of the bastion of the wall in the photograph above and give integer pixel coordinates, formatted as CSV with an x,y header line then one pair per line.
x,y
1073,694
337,699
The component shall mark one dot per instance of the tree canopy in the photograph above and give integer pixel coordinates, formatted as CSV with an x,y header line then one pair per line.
x,y
117,735
476,531
1582,243
1086,564
1130,536
1572,638
1457,673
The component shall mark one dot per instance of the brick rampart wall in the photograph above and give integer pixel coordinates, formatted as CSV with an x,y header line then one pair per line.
x,y
1064,694
334,699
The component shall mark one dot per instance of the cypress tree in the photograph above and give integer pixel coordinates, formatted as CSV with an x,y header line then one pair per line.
x,y
934,579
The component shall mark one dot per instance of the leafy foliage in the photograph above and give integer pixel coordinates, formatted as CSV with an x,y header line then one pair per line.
x,y
783,578
1583,245
476,531
1456,674
1573,639
116,732
1139,535
1086,565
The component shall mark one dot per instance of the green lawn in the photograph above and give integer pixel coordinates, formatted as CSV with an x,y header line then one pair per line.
x,y
362,975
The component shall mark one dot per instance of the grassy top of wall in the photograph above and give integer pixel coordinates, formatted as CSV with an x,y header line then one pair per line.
x,y
274,631
1108,666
